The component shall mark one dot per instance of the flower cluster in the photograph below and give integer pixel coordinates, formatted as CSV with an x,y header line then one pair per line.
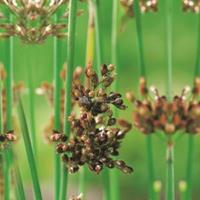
x,y
33,20
191,5
160,114
79,197
96,133
145,6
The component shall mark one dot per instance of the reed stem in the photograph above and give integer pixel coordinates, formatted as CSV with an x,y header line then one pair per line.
x,y
170,195
149,148
57,111
29,151
190,154
88,61
114,174
69,76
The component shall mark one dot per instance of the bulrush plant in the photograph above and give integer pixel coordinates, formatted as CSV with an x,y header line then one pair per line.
x,y
96,134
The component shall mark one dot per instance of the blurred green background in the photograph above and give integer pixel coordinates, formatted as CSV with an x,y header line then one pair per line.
x,y
38,59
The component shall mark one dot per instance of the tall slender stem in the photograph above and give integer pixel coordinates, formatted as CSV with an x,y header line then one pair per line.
x,y
114,174
170,173
57,111
149,148
99,55
170,193
190,154
29,151
88,61
68,87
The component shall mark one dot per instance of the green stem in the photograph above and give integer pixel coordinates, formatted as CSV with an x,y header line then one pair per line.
x,y
99,55
68,86
150,164
57,111
98,43
169,9
89,60
114,174
139,37
29,151
170,194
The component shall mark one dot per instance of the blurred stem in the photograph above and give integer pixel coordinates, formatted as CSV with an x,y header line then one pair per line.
x,y
190,154
170,194
89,61
143,74
68,82
99,49
169,7
57,109
99,53
139,37
114,174
32,111
29,151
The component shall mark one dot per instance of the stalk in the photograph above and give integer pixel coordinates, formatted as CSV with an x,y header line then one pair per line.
x,y
68,86
190,155
32,111
149,148
57,112
29,151
170,173
170,192
88,61
114,174
99,55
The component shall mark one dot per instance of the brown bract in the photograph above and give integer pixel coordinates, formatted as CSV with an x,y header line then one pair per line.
x,y
6,139
96,134
160,114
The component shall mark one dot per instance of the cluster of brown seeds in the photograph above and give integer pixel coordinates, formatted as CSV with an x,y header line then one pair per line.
x,y
145,6
6,139
191,5
96,133
159,114
79,197
33,20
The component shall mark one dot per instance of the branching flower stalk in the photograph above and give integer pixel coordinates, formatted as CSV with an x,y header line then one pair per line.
x,y
136,9
68,86
89,62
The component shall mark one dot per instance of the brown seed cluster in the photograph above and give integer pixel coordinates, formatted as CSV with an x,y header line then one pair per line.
x,y
191,5
34,20
159,114
79,197
145,6
96,133
6,139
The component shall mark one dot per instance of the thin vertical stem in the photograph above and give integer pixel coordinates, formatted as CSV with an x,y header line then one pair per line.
x,y
170,173
139,33
149,148
69,75
99,49
99,54
169,9
57,111
88,61
29,151
190,155
114,174
170,193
